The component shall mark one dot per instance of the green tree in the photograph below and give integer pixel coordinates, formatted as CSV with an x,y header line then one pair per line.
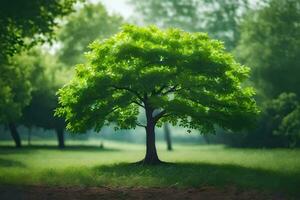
x,y
168,136
15,92
270,44
22,25
276,125
46,78
290,127
283,112
175,76
84,26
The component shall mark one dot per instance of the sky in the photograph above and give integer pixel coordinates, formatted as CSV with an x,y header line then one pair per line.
x,y
117,6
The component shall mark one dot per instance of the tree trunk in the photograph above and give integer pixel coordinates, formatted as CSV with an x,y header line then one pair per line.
x,y
60,137
151,157
206,139
14,133
168,137
29,137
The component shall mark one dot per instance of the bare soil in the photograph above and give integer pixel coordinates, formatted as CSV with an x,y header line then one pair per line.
x,y
93,193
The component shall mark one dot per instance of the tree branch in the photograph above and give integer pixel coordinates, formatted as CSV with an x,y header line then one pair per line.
x,y
140,125
172,89
160,90
130,90
138,104
159,115
113,110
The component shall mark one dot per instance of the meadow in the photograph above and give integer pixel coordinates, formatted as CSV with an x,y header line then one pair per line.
x,y
86,164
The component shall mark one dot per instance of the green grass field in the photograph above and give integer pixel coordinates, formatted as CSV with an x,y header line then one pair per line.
x,y
276,170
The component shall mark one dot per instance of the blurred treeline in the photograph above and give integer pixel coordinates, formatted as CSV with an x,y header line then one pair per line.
x,y
42,42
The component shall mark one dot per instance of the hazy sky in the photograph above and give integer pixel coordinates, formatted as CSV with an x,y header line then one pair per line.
x,y
117,6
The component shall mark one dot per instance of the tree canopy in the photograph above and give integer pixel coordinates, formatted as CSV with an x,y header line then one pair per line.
x,y
15,88
24,23
184,78
284,112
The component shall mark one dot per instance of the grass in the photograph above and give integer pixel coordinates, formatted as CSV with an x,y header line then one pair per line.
x,y
194,166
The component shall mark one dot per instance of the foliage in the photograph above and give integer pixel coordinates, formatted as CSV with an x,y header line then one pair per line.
x,y
24,23
277,125
281,106
82,27
46,77
183,78
286,117
275,112
270,43
220,18
15,88
290,127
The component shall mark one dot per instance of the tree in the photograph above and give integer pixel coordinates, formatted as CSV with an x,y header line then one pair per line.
x,y
40,113
175,76
220,18
22,25
276,125
46,78
284,114
15,92
270,44
168,137
84,26
290,127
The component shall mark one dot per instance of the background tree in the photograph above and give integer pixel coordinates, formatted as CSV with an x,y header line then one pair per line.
x,y
220,18
22,25
290,127
47,77
82,27
268,132
15,92
270,45
168,136
283,112
175,76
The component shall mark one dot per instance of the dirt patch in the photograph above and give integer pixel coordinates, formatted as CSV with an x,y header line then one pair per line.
x,y
84,193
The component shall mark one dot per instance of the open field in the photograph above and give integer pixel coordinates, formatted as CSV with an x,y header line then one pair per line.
x,y
276,170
